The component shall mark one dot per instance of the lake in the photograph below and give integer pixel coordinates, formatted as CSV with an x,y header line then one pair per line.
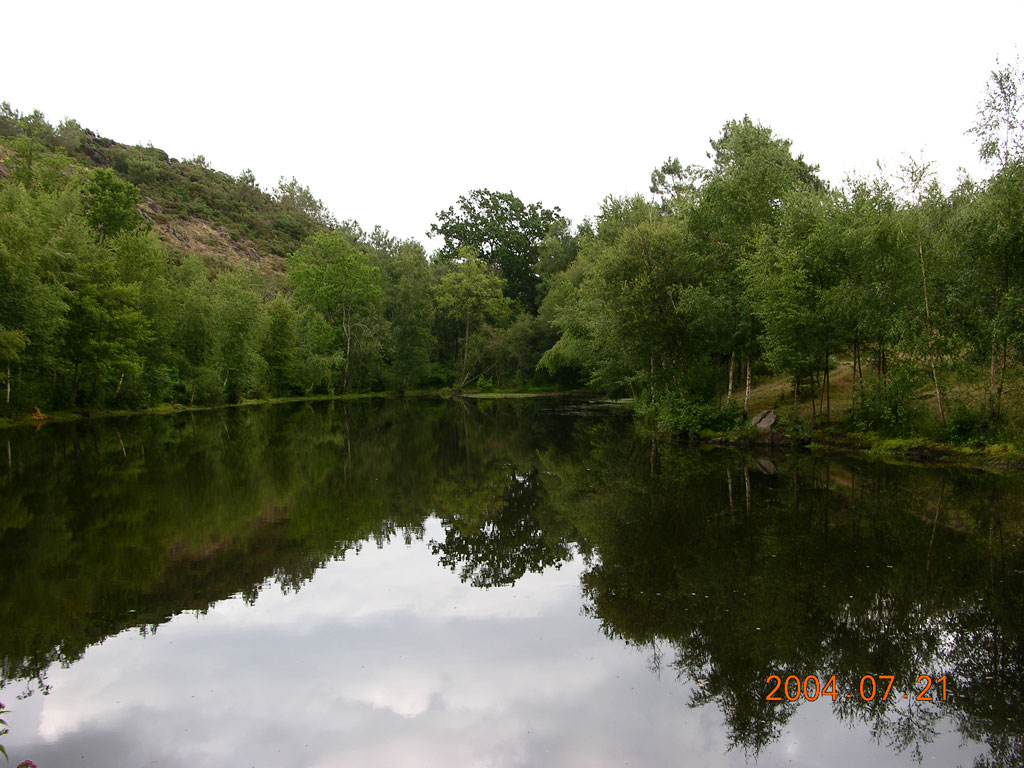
x,y
534,582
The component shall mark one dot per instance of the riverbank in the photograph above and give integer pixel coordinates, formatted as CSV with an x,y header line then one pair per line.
x,y
834,438
56,417
1001,457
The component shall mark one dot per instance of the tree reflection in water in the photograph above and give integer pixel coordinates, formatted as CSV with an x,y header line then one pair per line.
x,y
727,567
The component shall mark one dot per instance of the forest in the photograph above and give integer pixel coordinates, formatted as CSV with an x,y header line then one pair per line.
x,y
887,303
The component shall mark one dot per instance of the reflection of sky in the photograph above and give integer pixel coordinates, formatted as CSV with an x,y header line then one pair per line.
x,y
385,659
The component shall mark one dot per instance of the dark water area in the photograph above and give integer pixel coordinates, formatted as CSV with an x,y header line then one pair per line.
x,y
509,582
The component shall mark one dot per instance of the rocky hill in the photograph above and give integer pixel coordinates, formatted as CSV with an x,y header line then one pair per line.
x,y
194,208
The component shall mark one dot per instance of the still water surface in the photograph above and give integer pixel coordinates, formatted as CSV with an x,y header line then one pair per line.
x,y
493,583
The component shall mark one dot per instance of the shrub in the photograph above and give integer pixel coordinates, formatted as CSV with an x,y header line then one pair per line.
x,y
680,413
967,425
886,404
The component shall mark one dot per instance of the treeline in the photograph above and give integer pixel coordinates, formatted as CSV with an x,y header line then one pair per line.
x,y
757,266
97,311
751,267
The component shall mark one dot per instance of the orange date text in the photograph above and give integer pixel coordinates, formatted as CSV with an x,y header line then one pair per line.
x,y
871,687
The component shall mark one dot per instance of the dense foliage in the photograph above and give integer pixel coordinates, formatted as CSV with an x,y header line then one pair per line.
x,y
753,267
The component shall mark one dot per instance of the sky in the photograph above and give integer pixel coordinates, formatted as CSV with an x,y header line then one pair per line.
x,y
389,111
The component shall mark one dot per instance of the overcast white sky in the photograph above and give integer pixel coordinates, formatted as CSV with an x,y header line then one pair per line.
x,y
389,111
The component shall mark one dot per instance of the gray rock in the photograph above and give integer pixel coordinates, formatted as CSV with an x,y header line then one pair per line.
x,y
764,421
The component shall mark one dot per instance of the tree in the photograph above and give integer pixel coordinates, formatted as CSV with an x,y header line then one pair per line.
x,y
505,232
195,337
410,308
737,203
923,198
996,224
471,294
279,344
237,320
297,197
1000,124
35,238
341,283
12,344
110,203
779,291
105,330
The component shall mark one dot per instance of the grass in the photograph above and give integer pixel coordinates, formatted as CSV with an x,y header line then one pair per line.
x,y
928,439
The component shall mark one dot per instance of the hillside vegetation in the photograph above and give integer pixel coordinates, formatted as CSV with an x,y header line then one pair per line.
x,y
890,304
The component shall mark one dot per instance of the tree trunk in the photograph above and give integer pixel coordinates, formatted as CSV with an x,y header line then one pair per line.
x,y
8,401
814,414
732,366
347,328
1002,373
74,387
117,391
992,380
931,333
938,393
746,396
828,391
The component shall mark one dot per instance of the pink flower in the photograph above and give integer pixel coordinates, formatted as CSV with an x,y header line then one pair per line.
x,y
27,764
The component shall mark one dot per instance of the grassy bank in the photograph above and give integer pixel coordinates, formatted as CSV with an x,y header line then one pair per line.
x,y
832,424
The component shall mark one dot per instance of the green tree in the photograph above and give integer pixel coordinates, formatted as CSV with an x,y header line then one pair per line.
x,y
36,232
410,306
12,344
471,295
110,203
294,196
105,330
331,277
279,345
506,233
237,319
1000,123
195,338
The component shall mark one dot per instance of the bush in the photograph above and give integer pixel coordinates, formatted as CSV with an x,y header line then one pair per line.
x,y
886,405
965,425
682,414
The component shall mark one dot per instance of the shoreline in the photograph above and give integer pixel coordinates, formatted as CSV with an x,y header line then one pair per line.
x,y
920,451
910,450
165,409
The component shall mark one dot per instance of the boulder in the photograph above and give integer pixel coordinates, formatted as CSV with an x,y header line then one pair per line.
x,y
764,421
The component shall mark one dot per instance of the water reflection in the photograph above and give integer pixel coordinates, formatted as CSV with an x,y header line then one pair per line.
x,y
711,568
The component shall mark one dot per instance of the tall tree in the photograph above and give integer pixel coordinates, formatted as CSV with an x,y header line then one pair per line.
x,y
506,233
1000,122
410,307
332,278
471,295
